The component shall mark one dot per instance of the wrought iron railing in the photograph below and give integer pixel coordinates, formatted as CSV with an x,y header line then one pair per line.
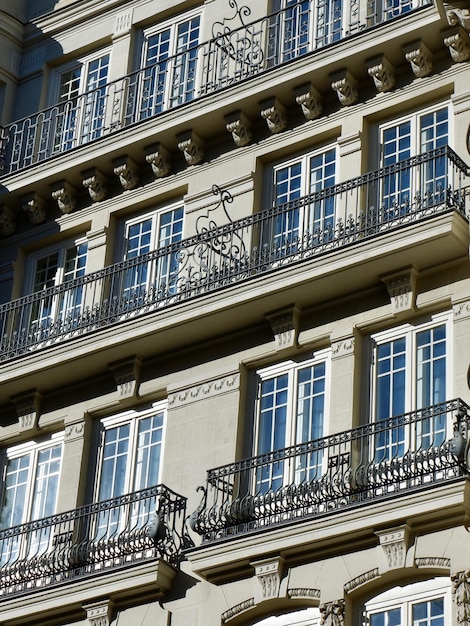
x,y
377,461
93,540
236,52
218,257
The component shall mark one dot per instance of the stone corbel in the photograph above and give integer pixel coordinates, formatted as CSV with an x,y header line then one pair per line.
x,y
192,147
285,326
332,613
127,171
310,101
346,87
95,182
159,158
394,543
457,40
65,195
268,574
401,287
419,57
240,127
99,613
275,114
458,16
127,376
382,72
461,596
7,221
35,207
28,407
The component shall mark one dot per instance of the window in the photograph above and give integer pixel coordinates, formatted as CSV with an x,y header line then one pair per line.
x,y
301,217
30,481
410,372
169,58
292,404
81,101
129,461
151,276
53,309
417,604
403,139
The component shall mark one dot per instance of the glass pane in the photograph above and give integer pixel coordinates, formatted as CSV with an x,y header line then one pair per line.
x,y
310,418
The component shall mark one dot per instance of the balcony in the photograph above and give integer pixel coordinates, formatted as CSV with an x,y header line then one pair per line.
x,y
93,540
234,54
401,455
218,257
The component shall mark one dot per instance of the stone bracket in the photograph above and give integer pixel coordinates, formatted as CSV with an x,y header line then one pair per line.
x,y
127,376
7,221
268,573
457,40
95,182
285,326
35,207
382,72
127,171
28,409
65,195
419,57
192,147
310,101
346,87
99,613
401,287
159,158
275,114
394,543
240,127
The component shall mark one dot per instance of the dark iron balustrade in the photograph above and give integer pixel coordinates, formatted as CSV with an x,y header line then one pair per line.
x,y
218,257
236,52
377,461
93,540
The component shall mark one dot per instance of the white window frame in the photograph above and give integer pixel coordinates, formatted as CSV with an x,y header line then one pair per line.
x,y
60,305
169,96
290,473
404,597
69,113
323,226
38,541
159,272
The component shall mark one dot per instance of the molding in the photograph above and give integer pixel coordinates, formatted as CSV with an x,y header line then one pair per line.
x,y
28,409
159,158
74,432
285,326
310,101
362,579
304,593
127,171
192,147
346,87
350,144
458,15
65,195
123,23
343,347
35,207
240,127
432,561
241,607
401,287
274,113
419,57
394,543
96,238
204,390
95,182
382,72
461,310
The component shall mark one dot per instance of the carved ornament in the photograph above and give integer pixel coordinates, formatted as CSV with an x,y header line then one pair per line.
x,y
394,543
7,221
159,158
310,101
204,390
65,195
191,146
127,171
95,182
240,127
237,609
268,573
419,57
127,376
382,72
457,40
332,613
275,114
461,597
285,326
28,407
35,207
99,613
345,85
401,287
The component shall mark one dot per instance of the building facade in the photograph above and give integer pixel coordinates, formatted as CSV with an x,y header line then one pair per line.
x,y
234,313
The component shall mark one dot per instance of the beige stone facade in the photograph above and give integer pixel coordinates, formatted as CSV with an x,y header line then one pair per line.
x,y
234,313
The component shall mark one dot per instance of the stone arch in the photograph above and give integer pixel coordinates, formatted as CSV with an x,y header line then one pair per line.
x,y
250,613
